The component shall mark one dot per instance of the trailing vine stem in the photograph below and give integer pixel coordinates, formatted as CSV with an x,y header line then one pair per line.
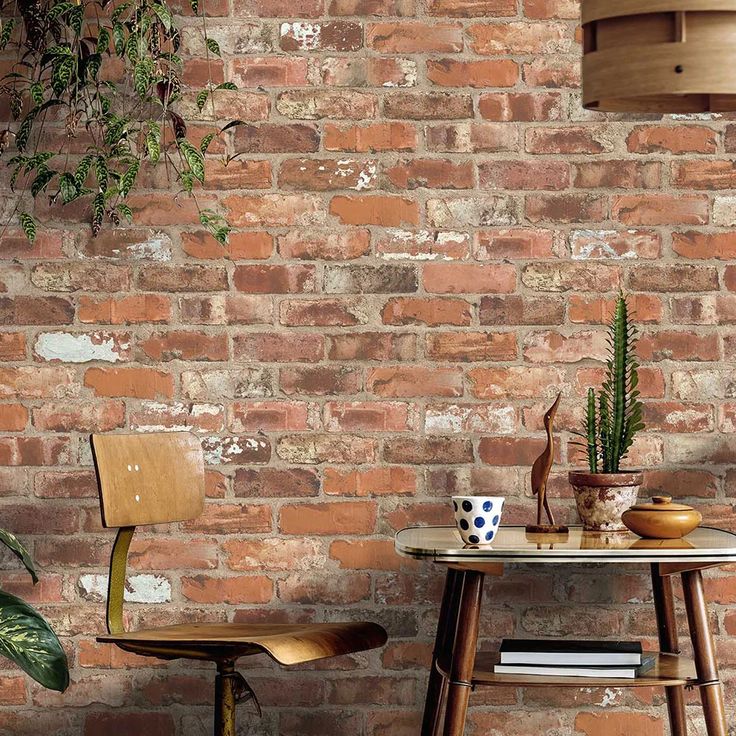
x,y
77,132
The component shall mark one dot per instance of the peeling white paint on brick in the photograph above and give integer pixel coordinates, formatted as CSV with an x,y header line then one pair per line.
x,y
223,450
306,35
80,348
588,244
143,588
481,418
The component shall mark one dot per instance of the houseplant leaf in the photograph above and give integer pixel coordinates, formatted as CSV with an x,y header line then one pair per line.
x,y
27,640
14,545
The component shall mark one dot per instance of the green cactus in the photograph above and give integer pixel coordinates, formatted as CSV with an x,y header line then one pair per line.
x,y
609,432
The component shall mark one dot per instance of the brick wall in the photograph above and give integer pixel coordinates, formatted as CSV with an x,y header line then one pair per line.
x,y
429,235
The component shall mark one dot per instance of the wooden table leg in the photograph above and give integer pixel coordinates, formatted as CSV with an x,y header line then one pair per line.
x,y
711,694
463,655
664,606
446,627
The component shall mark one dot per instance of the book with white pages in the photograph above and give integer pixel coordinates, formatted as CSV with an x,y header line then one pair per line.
x,y
624,673
568,652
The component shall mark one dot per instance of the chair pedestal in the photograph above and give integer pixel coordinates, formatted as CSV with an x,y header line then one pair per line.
x,y
225,699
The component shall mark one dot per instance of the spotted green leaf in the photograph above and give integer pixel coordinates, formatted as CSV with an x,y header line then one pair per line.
x,y
62,74
213,46
164,15
202,99
68,187
43,177
194,159
98,212
205,142
36,92
27,640
103,40
153,142
29,226
8,26
15,546
128,178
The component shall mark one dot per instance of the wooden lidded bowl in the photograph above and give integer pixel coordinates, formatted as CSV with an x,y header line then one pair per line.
x,y
661,519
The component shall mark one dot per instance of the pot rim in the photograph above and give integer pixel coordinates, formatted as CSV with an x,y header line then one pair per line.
x,y
622,478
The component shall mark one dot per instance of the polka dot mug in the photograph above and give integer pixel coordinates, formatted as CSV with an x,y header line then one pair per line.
x,y
478,517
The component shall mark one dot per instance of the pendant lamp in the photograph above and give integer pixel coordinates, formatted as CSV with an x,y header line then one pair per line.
x,y
659,56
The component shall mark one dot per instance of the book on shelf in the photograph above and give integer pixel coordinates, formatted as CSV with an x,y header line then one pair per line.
x,y
629,672
558,652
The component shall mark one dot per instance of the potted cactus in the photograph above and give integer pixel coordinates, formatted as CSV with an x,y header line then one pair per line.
x,y
613,417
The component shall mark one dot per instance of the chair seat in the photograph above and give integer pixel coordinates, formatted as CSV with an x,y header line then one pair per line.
x,y
286,643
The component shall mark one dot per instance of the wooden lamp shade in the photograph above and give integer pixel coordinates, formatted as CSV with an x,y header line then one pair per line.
x,y
659,56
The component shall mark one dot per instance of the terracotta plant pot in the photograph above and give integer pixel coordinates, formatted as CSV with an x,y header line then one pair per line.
x,y
602,498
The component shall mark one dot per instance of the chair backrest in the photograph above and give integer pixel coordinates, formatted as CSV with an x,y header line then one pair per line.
x,y
149,478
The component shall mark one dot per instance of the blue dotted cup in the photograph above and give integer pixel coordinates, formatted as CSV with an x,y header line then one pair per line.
x,y
477,517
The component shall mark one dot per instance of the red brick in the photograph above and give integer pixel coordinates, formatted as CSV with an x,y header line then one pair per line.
x,y
515,309
423,245
270,71
428,451
140,383
30,310
452,73
326,246
13,417
509,450
431,173
268,416
367,416
327,36
274,279
319,381
383,210
694,244
443,278
563,208
307,104
524,175
379,481
271,210
34,451
472,8
391,136
12,346
660,209
592,244
143,724
125,310
330,518
428,106
471,137
79,417
182,278
327,174
226,310
675,277
520,38
276,138
372,346
584,309
365,71
323,312
617,175
312,449
472,346
38,382
675,139
220,518
412,37
409,381
278,347
153,415
553,347
245,246
516,243
512,381
242,589
676,345
618,724
275,482
430,312
552,72
333,590
520,106
185,345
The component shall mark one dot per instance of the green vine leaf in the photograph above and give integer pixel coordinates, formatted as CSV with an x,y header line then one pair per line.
x,y
98,213
75,19
164,15
62,73
227,85
103,40
128,179
14,545
68,187
153,142
36,93
205,142
7,31
118,37
59,9
29,226
194,159
43,177
194,5
213,46
142,75
125,211
202,99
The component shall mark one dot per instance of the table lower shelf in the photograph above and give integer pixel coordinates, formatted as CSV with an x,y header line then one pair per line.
x,y
668,669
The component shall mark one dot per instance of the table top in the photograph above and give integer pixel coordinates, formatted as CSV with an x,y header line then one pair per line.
x,y
513,544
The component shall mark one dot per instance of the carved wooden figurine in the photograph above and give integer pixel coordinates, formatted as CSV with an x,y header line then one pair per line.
x,y
540,472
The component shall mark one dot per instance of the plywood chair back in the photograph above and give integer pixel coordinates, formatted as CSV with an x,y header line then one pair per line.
x,y
144,479
149,478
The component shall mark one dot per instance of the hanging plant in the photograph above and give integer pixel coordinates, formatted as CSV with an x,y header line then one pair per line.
x,y
107,74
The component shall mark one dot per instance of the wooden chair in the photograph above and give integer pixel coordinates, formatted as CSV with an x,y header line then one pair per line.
x,y
159,478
